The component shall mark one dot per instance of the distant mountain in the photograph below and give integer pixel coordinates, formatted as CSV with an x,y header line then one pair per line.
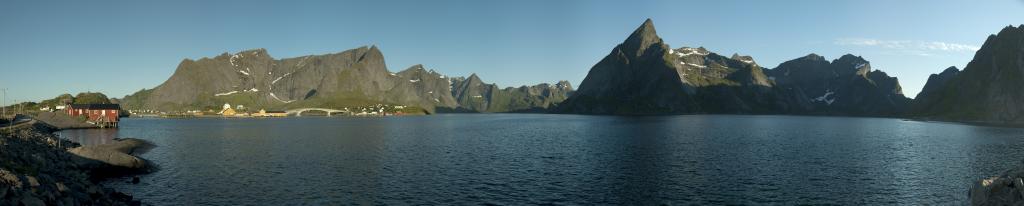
x,y
473,94
845,86
644,76
990,88
356,77
933,88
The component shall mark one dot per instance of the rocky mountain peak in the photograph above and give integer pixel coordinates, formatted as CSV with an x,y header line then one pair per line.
x,y
745,59
814,57
256,51
851,58
1006,42
986,90
564,84
1011,29
950,70
416,67
857,63
473,78
642,38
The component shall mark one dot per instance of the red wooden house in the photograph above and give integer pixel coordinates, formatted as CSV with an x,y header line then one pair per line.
x,y
101,114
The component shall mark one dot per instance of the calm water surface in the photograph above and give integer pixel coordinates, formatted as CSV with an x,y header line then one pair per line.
x,y
567,159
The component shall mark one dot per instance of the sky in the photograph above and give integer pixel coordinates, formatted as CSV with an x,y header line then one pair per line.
x,y
118,47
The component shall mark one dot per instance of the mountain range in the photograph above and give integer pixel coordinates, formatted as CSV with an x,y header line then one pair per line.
x,y
643,76
640,76
356,77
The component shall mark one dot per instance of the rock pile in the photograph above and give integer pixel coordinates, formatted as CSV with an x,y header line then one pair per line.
x,y
1005,189
36,169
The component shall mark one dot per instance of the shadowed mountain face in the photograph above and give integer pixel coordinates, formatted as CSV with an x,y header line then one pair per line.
x,y
644,76
845,86
989,89
355,77
635,78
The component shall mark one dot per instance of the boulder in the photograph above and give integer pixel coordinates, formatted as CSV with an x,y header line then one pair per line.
x,y
130,146
94,157
117,156
1005,189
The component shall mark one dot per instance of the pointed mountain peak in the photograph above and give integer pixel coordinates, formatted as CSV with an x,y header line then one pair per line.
x,y
253,52
371,54
641,38
473,77
374,49
648,25
412,68
645,32
950,70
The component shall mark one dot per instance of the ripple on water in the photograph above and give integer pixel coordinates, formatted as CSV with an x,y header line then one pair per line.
x,y
564,159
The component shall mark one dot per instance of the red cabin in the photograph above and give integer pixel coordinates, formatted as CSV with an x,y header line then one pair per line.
x,y
100,114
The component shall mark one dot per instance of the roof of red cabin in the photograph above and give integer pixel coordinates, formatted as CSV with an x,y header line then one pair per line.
x,y
96,106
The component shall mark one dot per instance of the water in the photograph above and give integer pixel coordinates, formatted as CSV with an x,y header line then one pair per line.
x,y
564,159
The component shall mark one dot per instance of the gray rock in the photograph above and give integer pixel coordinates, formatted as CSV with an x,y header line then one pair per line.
x,y
32,181
107,157
130,146
38,172
9,178
61,187
1005,189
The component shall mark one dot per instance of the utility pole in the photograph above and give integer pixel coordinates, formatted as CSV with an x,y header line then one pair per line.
x,y
3,103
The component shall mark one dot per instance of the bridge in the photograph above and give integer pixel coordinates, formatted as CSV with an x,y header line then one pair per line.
x,y
298,112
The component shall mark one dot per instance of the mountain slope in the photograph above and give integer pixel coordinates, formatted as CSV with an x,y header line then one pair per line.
x,y
635,78
356,77
844,86
989,89
643,76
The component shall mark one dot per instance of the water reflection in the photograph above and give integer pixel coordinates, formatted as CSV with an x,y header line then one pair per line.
x,y
90,136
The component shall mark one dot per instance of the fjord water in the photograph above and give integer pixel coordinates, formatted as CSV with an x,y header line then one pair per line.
x,y
537,158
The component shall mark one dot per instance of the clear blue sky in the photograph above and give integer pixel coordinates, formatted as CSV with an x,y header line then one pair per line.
x,y
118,47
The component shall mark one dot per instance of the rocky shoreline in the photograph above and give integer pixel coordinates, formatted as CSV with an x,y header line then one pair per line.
x,y
39,168
1005,189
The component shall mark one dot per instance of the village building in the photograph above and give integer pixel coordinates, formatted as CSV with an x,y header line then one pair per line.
x,y
227,111
265,113
104,115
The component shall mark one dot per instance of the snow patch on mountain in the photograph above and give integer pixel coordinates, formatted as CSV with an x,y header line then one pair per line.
x,y
694,65
225,93
279,99
827,97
